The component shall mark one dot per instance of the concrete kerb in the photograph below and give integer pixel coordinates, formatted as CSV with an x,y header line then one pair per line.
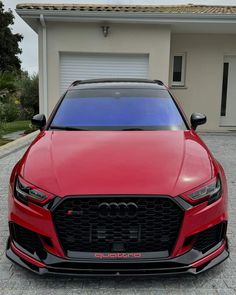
x,y
17,144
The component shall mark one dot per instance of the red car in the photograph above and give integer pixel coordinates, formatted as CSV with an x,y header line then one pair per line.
x,y
118,183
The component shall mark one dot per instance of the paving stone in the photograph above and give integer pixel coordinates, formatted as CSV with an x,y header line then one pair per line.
x,y
226,292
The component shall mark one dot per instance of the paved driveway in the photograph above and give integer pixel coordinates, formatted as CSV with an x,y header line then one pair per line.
x,y
220,280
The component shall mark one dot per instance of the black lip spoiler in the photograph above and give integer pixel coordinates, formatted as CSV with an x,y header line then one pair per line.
x,y
77,269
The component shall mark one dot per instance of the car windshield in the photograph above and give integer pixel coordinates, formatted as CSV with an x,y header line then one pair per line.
x,y
118,109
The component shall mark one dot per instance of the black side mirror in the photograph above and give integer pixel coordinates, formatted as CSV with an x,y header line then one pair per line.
x,y
39,121
197,119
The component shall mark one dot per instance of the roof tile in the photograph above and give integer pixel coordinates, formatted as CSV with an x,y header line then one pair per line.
x,y
165,9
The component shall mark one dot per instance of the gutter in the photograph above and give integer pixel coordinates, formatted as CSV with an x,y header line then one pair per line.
x,y
45,69
128,17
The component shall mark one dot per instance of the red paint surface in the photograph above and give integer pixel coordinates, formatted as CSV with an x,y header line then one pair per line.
x,y
117,162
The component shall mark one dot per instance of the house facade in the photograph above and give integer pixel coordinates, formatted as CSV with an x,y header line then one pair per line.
x,y
192,49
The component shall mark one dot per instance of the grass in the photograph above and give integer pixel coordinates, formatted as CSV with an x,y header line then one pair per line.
x,y
15,126
10,127
4,141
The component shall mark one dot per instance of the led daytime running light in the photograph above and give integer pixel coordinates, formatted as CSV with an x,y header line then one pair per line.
x,y
24,192
208,190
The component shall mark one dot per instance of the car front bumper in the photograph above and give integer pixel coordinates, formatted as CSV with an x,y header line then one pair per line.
x,y
183,259
180,265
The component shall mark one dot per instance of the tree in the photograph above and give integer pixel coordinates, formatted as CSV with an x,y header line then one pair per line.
x,y
9,47
9,110
29,93
7,85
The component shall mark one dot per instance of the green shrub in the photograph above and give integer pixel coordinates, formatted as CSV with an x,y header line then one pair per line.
x,y
9,111
2,118
29,95
27,113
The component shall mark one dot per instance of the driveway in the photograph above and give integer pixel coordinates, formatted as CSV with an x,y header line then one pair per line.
x,y
220,280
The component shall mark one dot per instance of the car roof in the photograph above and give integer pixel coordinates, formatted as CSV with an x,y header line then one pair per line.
x,y
117,83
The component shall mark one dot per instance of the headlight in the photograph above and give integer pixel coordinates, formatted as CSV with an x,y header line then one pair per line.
x,y
210,192
25,192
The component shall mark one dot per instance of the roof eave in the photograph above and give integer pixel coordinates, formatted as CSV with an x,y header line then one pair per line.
x,y
32,15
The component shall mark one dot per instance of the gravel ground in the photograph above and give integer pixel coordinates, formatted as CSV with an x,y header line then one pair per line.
x,y
220,280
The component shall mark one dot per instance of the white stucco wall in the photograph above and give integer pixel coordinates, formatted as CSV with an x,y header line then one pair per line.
x,y
204,72
123,38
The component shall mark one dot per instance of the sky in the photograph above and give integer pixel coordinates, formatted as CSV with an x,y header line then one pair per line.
x,y
29,45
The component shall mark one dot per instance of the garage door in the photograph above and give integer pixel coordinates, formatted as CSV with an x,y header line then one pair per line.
x,y
95,66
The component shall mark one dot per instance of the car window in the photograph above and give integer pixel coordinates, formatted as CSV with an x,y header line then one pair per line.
x,y
118,109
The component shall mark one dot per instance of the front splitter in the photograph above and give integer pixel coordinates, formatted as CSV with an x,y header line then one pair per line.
x,y
155,268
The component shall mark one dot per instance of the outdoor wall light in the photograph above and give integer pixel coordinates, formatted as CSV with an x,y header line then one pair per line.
x,y
105,30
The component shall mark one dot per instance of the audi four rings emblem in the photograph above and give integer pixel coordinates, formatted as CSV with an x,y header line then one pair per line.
x,y
117,209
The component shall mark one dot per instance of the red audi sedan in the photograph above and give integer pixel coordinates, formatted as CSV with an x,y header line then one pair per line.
x,y
117,183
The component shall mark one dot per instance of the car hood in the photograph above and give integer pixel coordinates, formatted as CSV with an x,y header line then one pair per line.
x,y
117,162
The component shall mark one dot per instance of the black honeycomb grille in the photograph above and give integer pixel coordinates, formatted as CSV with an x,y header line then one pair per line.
x,y
27,239
155,226
209,238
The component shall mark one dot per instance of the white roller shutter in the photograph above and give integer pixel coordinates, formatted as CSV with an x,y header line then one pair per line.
x,y
75,66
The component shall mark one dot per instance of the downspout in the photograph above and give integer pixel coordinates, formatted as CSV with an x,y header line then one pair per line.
x,y
45,68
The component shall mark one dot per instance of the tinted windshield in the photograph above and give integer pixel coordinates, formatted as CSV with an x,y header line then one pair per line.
x,y
118,109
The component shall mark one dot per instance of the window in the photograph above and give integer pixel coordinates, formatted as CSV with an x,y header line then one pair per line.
x,y
178,69
118,109
224,88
